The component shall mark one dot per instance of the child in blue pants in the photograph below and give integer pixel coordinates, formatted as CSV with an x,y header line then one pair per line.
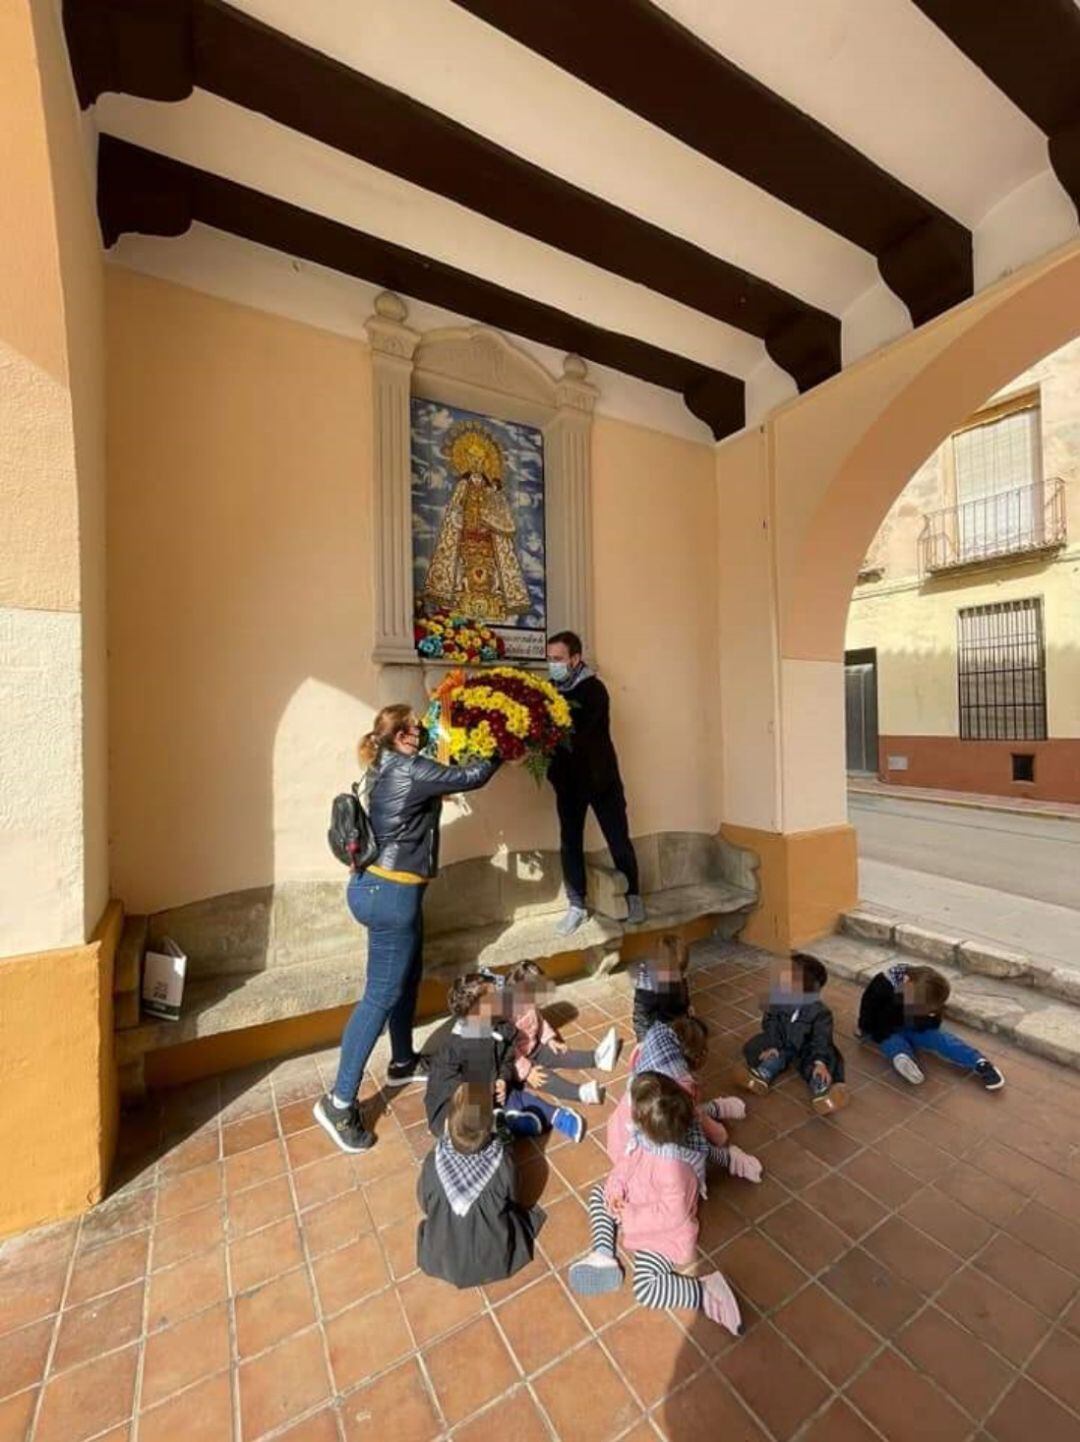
x,y
901,1010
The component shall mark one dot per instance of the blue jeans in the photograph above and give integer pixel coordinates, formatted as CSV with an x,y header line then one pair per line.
x,y
523,1101
392,912
942,1043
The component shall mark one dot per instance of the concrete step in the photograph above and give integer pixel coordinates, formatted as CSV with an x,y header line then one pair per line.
x,y
1003,1006
967,954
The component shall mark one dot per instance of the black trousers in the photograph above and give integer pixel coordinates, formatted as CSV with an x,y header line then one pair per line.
x,y
609,808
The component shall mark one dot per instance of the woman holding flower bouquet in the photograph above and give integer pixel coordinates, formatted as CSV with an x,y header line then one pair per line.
x,y
404,802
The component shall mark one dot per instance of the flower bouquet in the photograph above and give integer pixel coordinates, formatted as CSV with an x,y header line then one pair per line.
x,y
445,637
503,712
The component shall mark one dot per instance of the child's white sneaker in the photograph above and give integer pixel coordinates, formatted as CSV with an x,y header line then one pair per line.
x,y
591,1093
909,1068
607,1051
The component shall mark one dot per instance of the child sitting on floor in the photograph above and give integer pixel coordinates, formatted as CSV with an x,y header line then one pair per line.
x,y
677,1051
661,991
480,1050
473,1230
797,1028
652,1194
901,1010
539,1049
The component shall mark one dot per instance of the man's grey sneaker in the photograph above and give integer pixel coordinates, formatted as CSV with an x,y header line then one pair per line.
x,y
908,1067
607,1051
400,1073
635,910
992,1079
575,916
343,1125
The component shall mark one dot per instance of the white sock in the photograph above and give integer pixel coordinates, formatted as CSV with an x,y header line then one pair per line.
x,y
336,1101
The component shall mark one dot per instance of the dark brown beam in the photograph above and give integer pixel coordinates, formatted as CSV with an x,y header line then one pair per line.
x,y
141,47
1031,51
636,54
141,191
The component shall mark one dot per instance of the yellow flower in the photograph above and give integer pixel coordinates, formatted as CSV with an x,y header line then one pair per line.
x,y
481,740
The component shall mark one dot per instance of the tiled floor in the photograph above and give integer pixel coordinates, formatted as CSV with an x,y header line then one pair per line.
x,y
909,1269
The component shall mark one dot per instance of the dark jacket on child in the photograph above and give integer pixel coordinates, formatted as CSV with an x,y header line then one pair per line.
x,y
802,1033
493,1240
881,1011
657,1001
483,1060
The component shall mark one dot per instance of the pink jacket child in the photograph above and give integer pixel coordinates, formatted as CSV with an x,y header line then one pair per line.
x,y
540,1054
652,1195
664,1050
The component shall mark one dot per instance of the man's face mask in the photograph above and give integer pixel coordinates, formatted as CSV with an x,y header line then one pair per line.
x,y
559,671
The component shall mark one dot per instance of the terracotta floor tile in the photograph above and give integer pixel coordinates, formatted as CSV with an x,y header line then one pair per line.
x,y
257,1164
367,1338
398,1406
393,1198
265,1254
585,1398
322,1427
904,1405
915,1154
1050,1234
273,1311
86,1400
192,1189
251,1132
827,1143
187,1288
910,1254
116,1218
805,1235
336,1223
267,1202
399,1244
717,1222
1026,1412
706,1408
959,1363
1057,1367
201,1414
947,1222
188,1235
883,1179
349,1274
469,1368
999,1318
752,1202
393,1154
22,1355
99,1326
282,1383
843,1204
15,1415
540,1324
838,1423
193,1151
583,1165
308,1146
1059,1194
107,1267
1011,1167
759,1270
940,1131
180,1355
565,1233
28,1296
434,1307
1020,1269
825,1332
982,1194
874,1293
791,1163
773,1380
296,1116
516,1417
509,1286
652,1353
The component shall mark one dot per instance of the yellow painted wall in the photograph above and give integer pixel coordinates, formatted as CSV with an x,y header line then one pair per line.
x,y
240,604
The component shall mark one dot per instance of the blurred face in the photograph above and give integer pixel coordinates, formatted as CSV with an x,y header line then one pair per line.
x,y
407,741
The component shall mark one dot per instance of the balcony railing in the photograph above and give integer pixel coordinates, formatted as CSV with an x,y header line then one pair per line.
x,y
1012,523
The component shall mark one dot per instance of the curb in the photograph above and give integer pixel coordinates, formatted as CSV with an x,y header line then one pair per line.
x,y
964,803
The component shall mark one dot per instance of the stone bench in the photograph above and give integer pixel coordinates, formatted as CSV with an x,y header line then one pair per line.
x,y
278,953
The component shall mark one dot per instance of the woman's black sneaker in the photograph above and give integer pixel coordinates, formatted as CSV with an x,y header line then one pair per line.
x,y
989,1075
343,1125
400,1072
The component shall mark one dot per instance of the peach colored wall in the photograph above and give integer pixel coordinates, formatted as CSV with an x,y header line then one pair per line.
x,y
240,603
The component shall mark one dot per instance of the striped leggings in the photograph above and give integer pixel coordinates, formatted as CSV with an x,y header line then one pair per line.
x,y
656,1282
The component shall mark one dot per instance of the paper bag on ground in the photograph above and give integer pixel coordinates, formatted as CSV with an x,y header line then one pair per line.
x,y
163,979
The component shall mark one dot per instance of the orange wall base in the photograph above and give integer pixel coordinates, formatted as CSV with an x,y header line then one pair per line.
x,y
948,764
807,879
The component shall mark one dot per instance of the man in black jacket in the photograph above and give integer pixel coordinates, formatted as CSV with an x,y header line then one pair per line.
x,y
587,774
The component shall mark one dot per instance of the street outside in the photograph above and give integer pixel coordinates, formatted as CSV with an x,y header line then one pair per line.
x,y
1000,876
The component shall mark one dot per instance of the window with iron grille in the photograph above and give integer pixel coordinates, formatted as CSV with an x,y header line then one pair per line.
x,y
1002,672
998,469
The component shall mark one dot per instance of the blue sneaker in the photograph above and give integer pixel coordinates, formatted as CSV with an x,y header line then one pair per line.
x,y
522,1124
569,1123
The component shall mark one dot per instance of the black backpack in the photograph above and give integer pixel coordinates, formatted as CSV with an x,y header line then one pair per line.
x,y
350,836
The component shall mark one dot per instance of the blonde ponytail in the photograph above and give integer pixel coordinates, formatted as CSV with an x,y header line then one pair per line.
x,y
388,725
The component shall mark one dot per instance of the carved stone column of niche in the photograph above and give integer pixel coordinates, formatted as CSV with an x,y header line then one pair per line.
x,y
568,469
392,346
